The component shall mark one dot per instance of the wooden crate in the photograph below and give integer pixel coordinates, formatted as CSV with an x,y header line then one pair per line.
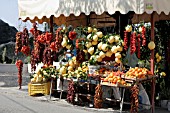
x,y
39,88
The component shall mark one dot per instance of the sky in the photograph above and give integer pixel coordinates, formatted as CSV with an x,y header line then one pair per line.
x,y
9,14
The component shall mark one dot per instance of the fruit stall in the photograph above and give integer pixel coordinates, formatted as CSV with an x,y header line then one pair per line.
x,y
100,59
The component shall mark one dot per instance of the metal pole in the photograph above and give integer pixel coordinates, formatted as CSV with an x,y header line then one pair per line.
x,y
51,88
152,63
51,23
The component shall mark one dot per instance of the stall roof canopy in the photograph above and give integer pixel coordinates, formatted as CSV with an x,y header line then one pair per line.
x,y
41,10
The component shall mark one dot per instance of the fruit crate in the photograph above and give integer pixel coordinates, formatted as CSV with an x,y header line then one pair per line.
x,y
39,88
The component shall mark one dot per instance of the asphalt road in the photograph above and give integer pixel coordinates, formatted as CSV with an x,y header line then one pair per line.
x,y
13,100
18,101
11,79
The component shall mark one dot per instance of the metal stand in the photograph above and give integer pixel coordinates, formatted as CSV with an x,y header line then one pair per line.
x,y
51,88
122,99
61,91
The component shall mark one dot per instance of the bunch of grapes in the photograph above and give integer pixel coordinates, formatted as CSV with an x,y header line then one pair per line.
x,y
47,57
18,43
19,65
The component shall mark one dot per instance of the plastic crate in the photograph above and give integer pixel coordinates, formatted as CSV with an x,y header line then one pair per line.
x,y
39,88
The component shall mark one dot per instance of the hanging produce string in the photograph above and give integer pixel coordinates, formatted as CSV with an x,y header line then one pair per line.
x,y
18,43
133,43
71,92
58,39
143,36
19,65
134,99
98,100
47,57
25,43
138,38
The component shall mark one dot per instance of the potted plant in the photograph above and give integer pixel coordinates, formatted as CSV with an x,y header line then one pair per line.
x,y
165,98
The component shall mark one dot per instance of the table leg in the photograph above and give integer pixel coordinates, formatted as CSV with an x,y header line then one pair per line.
x,y
122,99
62,83
153,96
51,88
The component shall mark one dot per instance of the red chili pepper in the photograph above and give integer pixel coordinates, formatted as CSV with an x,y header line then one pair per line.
x,y
19,65
125,40
72,35
53,46
143,36
139,45
25,50
48,37
133,43
58,39
77,43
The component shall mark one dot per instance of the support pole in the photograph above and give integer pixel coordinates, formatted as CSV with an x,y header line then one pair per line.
x,y
152,64
51,23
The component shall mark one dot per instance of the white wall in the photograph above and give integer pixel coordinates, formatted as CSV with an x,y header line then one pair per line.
x,y
11,68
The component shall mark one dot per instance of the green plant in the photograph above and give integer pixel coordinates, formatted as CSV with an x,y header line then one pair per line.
x,y
164,91
93,61
165,94
13,60
3,55
28,59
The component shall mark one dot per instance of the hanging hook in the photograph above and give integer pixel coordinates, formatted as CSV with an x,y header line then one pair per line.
x,y
119,24
19,24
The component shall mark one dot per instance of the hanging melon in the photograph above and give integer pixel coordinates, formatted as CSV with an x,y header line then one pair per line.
x,y
151,45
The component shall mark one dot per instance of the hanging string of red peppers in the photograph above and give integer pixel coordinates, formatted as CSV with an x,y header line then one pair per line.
x,y
19,65
22,43
58,39
41,40
135,39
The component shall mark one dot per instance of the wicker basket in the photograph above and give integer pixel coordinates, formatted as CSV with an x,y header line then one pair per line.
x,y
39,88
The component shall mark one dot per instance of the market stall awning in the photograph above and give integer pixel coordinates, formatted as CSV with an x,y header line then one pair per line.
x,y
66,10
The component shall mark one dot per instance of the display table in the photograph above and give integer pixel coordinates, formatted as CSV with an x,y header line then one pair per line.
x,y
118,89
